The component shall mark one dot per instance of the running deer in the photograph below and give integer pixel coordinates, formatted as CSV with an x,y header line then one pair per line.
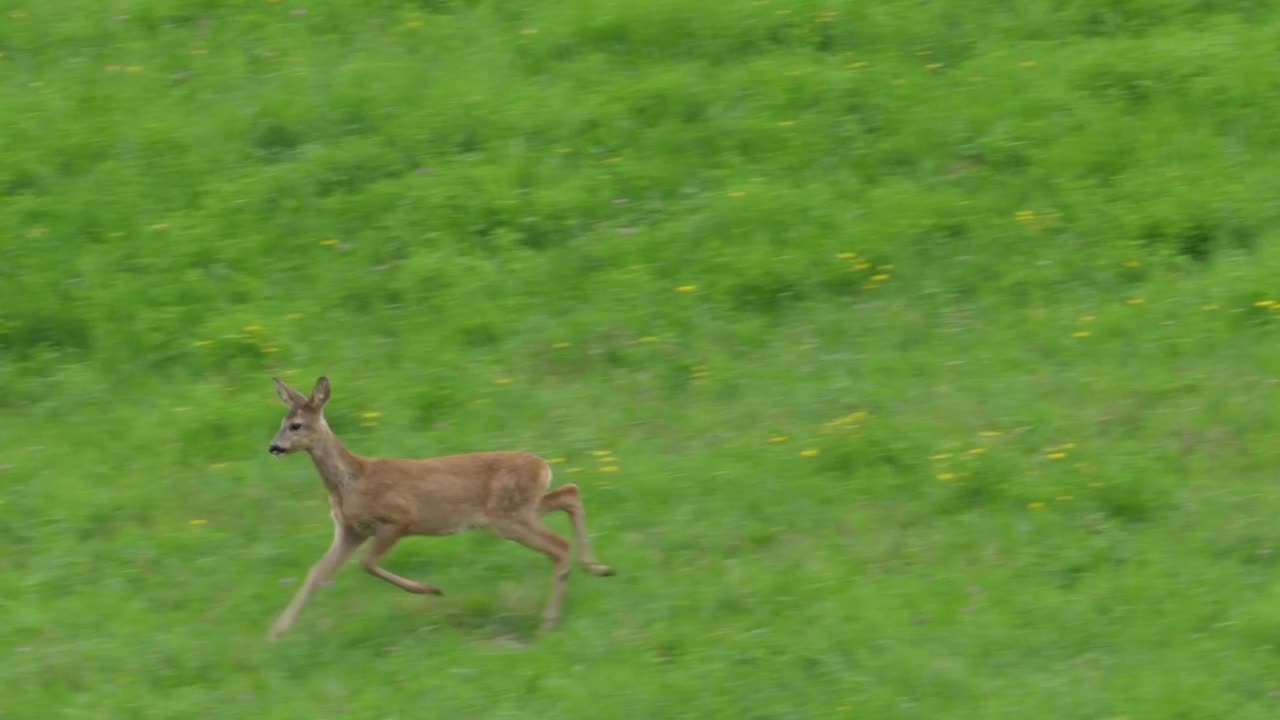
x,y
387,499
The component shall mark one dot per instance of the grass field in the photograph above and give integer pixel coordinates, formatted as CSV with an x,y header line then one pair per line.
x,y
916,360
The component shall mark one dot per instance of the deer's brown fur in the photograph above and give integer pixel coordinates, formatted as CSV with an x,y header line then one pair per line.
x,y
386,499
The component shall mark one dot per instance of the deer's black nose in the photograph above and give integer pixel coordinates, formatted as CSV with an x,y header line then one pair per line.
x,y
275,449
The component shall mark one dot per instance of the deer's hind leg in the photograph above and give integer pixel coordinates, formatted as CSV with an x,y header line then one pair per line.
x,y
569,499
532,534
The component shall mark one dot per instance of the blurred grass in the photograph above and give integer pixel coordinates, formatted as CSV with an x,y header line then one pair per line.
x,y
933,346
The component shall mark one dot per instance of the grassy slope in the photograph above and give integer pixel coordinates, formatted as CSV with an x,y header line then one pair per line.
x,y
1055,223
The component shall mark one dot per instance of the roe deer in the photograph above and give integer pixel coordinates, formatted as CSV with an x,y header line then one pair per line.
x,y
387,499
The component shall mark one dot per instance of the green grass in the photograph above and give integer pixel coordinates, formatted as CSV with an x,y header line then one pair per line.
x,y
931,342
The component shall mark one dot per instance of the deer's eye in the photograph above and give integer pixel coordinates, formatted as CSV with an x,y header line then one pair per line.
x,y
295,426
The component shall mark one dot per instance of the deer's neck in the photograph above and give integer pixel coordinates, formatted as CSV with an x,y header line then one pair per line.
x,y
338,467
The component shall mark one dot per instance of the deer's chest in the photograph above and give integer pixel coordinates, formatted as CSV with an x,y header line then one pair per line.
x,y
366,513
351,512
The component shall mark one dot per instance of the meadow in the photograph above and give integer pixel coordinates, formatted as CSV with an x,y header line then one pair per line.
x,y
916,360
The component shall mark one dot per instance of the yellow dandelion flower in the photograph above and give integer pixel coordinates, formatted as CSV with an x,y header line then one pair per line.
x,y
976,451
600,453
133,69
648,339
1136,301
847,421
940,456
861,265
1132,263
202,343
687,288
881,277
810,452
253,328
737,194
1208,308
329,242
370,415
945,476
159,226
561,345
1264,303
217,466
1035,505
1025,216
197,521
991,433
503,381
1056,455
1081,334
847,255
934,65
778,439
609,468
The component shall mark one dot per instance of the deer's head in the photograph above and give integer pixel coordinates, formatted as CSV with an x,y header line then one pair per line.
x,y
304,423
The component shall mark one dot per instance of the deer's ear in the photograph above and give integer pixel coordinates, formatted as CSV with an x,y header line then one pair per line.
x,y
320,395
290,397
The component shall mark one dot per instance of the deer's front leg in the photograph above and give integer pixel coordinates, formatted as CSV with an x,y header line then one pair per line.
x,y
345,542
383,540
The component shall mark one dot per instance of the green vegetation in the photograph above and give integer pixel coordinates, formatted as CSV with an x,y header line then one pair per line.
x,y
916,360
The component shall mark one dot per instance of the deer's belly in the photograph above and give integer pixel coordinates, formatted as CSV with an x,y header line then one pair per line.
x,y
423,523
443,526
